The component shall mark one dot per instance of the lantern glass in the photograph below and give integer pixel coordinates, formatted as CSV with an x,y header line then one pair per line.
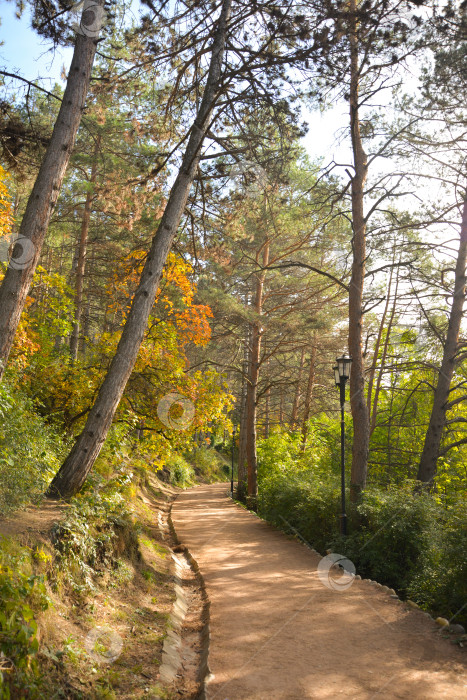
x,y
337,375
343,364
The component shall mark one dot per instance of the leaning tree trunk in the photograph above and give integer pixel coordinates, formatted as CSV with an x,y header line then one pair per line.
x,y
42,200
374,364
379,379
252,387
361,428
82,249
430,454
74,470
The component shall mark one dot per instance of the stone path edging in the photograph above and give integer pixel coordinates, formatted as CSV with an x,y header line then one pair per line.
x,y
205,673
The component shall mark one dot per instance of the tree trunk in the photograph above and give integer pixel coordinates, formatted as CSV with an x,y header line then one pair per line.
x,y
80,460
296,401
374,364
308,397
242,469
361,428
42,200
80,270
86,334
267,402
430,454
374,410
252,387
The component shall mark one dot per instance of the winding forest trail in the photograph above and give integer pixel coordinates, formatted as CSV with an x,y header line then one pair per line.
x,y
278,632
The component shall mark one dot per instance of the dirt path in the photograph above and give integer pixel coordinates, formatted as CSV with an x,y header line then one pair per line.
x,y
278,632
39,518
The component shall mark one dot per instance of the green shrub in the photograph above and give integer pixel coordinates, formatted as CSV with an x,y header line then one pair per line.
x,y
389,533
182,473
209,464
29,451
282,451
440,579
302,502
85,539
21,595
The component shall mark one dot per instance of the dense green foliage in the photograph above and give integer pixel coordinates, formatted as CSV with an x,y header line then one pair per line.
x,y
22,594
181,472
30,450
413,542
86,538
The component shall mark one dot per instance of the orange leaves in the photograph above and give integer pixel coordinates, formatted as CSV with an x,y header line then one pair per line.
x,y
26,344
194,325
190,320
174,300
162,366
176,273
25,341
6,218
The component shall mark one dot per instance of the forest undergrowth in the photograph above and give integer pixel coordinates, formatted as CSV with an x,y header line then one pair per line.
x,y
86,595
413,542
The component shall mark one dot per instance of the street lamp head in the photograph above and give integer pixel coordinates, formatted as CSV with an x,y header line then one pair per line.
x,y
343,365
234,429
337,375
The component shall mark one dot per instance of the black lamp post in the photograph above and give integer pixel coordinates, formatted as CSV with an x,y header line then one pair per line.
x,y
234,430
341,374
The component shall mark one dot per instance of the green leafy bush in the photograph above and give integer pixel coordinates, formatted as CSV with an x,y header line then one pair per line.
x,y
21,595
440,579
302,502
389,533
182,473
209,464
29,451
86,539
282,451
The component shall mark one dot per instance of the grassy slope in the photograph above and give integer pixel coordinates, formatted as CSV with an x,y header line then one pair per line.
x,y
124,585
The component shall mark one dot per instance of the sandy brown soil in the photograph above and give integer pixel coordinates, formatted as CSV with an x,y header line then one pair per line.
x,y
279,633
